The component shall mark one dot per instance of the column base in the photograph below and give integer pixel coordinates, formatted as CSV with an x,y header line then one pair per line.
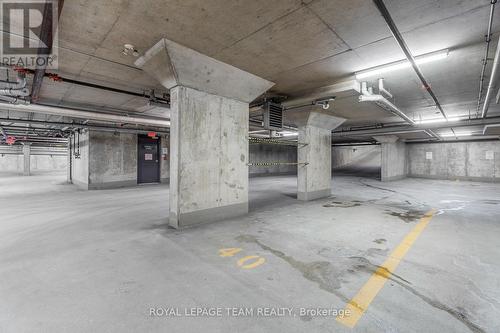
x,y
203,216
393,178
313,195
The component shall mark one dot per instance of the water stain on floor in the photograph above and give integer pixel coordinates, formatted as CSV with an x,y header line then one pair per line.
x,y
330,278
319,272
343,204
491,202
407,216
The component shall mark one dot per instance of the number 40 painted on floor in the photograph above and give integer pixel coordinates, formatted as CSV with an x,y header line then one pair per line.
x,y
246,262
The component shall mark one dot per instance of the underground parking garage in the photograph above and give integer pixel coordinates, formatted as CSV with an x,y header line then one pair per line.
x,y
261,166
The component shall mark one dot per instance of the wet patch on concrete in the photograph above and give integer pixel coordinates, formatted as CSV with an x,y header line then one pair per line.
x,y
491,202
460,314
407,216
380,240
365,265
330,278
343,204
377,252
320,272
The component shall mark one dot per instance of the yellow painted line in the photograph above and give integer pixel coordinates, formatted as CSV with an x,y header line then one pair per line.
x,y
254,264
357,306
229,252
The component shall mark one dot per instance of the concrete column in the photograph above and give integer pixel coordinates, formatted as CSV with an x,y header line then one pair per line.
x,y
69,162
394,159
27,158
314,171
208,133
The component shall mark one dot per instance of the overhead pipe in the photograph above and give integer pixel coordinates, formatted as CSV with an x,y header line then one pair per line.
x,y
405,128
14,100
493,81
81,126
23,92
97,116
19,84
486,55
402,44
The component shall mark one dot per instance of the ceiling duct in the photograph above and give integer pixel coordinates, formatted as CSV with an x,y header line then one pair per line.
x,y
273,116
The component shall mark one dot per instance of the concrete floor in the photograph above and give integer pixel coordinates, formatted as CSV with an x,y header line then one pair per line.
x,y
76,261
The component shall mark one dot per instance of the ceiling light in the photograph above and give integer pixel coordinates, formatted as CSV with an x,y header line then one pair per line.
x,y
438,120
286,133
450,135
422,59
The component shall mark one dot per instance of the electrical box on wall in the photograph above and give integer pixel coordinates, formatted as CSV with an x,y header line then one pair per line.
x,y
273,116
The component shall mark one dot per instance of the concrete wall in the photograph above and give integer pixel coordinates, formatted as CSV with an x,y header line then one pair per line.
x,y
12,163
15,162
349,155
109,160
455,160
113,160
48,163
272,153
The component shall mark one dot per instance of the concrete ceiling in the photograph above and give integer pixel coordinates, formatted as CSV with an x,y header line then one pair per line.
x,y
297,44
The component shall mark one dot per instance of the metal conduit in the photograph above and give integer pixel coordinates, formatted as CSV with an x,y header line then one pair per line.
x,y
402,44
493,81
486,54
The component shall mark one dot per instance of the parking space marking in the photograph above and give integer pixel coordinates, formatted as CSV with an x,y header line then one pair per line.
x,y
359,303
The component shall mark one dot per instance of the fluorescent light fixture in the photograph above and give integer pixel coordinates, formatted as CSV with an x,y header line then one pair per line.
x,y
438,120
422,59
457,134
287,133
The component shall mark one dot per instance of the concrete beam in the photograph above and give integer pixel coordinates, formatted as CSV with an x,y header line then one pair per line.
x,y
386,138
174,65
313,115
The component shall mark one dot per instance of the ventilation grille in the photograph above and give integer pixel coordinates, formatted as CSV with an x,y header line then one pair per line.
x,y
273,116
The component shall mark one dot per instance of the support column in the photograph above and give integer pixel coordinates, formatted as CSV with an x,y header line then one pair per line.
x,y
314,171
69,164
393,164
27,158
208,132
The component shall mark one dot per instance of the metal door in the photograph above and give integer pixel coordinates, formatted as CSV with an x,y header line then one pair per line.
x,y
148,160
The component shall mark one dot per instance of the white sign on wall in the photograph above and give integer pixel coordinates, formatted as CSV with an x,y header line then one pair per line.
x,y
428,155
490,155
164,151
